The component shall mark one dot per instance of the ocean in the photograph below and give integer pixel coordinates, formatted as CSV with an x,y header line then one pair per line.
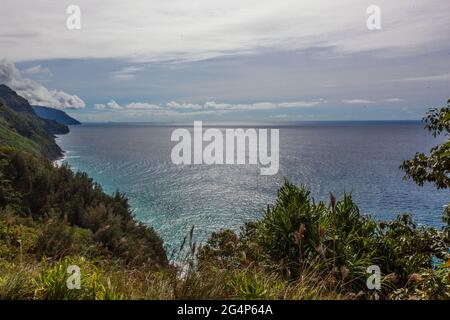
x,y
358,157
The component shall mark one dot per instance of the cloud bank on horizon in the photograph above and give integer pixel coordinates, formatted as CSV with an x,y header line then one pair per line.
x,y
175,109
274,59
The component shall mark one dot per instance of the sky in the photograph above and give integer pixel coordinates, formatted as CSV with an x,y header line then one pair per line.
x,y
228,60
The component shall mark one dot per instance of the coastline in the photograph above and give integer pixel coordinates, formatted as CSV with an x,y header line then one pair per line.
x,y
58,161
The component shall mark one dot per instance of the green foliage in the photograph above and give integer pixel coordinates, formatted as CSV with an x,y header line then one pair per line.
x,y
446,220
429,285
67,202
221,248
17,236
16,286
26,131
333,244
248,286
327,250
435,167
404,249
51,283
297,232
58,239
11,138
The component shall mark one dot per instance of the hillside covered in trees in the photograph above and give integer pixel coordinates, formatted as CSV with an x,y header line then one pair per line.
x,y
20,127
54,114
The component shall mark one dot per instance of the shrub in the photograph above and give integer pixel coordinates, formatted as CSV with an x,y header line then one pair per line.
x,y
51,284
428,285
334,243
248,285
55,240
15,284
299,233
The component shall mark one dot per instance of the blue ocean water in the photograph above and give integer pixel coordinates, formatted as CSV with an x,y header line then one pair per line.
x,y
358,157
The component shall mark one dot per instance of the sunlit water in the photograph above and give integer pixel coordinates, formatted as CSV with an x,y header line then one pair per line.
x,y
362,158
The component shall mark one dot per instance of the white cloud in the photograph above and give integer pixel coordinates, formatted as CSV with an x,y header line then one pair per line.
x,y
212,105
35,93
365,101
395,100
183,30
174,108
358,101
262,105
125,74
177,105
440,77
300,104
112,105
142,106
36,70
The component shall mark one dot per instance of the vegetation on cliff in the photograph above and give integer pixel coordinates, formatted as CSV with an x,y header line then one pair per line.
x,y
54,114
21,128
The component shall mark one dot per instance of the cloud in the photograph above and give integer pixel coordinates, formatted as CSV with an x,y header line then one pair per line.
x,y
301,104
358,101
112,105
36,70
142,106
173,108
125,74
35,93
365,101
440,77
253,106
394,100
177,105
270,105
176,30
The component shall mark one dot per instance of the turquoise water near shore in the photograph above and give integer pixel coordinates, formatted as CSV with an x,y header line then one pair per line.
x,y
358,157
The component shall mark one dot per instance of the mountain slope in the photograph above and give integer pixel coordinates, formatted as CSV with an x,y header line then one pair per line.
x,y
54,114
9,137
21,105
14,101
20,126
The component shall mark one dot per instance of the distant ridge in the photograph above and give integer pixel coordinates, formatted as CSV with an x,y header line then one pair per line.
x,y
55,114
